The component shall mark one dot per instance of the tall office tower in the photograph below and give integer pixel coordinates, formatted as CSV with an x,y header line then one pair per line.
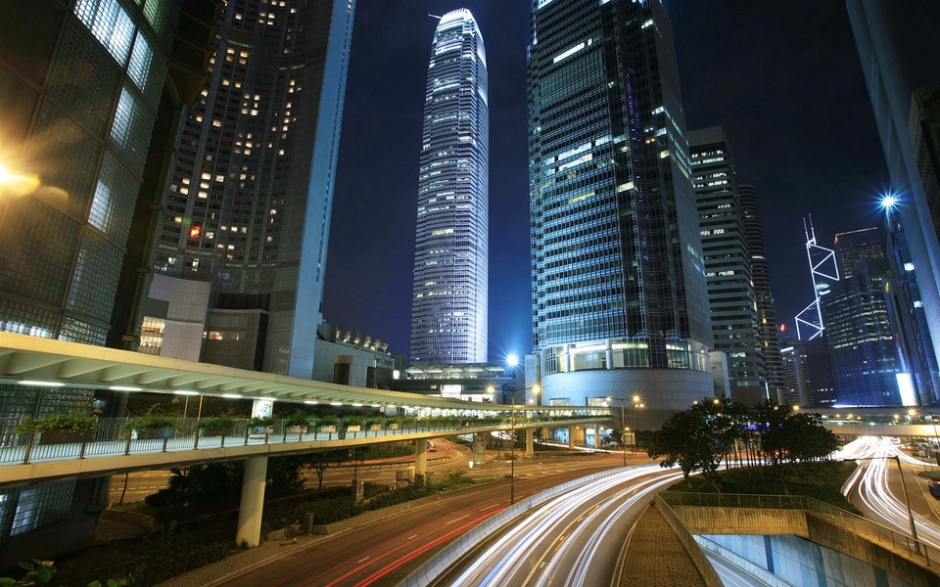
x,y
449,299
727,264
248,207
866,365
620,302
760,277
900,57
89,111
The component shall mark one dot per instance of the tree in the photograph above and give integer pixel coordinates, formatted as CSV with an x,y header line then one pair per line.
x,y
321,461
696,439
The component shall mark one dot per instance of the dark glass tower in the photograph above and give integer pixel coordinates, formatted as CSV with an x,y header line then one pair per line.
x,y
449,300
865,357
248,207
760,277
727,264
620,306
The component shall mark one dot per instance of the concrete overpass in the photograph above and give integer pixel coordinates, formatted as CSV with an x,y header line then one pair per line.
x,y
51,364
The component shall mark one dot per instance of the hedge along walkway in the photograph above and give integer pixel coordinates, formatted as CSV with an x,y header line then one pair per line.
x,y
656,556
272,550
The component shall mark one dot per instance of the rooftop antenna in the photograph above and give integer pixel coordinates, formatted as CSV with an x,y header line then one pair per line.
x,y
435,16
822,265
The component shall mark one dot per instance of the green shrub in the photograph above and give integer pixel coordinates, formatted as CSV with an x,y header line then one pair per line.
x,y
298,418
216,423
150,422
70,421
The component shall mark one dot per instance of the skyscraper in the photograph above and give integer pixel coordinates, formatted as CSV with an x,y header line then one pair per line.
x,y
866,364
727,264
90,109
899,52
248,206
449,300
760,277
619,306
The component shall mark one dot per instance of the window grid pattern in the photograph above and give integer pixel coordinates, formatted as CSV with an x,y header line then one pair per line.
x,y
94,283
110,23
66,157
146,69
131,130
159,14
73,330
20,318
85,78
25,231
42,505
112,208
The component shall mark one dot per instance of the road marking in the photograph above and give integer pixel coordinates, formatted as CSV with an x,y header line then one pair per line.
x,y
457,519
363,560
489,507
410,537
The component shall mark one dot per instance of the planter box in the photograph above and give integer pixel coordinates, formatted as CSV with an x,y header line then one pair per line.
x,y
375,427
66,436
262,430
393,426
297,430
151,433
330,428
353,428
215,431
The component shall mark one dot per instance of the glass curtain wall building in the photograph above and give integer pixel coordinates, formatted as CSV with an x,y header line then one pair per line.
x,y
248,207
620,305
449,300
89,106
760,278
727,264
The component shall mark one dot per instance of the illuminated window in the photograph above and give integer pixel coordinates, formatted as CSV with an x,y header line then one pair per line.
x,y
109,23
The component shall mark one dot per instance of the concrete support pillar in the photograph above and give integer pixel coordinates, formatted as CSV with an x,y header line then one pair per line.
x,y
529,441
570,436
479,448
609,353
252,504
421,457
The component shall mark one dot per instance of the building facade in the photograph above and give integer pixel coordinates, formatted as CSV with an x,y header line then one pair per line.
x,y
89,116
449,299
899,52
249,203
619,294
760,277
731,296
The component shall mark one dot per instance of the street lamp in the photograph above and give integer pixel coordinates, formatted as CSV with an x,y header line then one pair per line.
x,y
907,498
512,457
623,432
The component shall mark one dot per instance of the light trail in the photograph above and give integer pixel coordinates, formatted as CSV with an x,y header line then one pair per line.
x,y
875,492
572,525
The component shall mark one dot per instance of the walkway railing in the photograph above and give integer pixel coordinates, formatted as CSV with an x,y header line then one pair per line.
x,y
111,438
862,526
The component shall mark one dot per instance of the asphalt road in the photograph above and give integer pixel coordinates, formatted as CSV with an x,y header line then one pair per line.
x,y
385,552
576,538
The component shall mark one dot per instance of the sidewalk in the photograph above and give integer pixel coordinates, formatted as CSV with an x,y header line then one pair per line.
x,y
656,557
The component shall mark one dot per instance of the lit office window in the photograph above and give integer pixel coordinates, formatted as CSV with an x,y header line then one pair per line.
x,y
141,62
121,131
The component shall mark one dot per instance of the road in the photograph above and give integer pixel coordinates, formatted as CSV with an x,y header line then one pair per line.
x,y
385,552
576,538
878,493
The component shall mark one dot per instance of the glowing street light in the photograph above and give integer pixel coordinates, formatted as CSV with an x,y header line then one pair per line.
x,y
14,184
512,360
889,201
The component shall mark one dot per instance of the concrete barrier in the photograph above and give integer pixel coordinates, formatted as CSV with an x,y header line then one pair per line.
x,y
701,562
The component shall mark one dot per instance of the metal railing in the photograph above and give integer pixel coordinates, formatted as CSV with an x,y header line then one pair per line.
x,y
113,438
899,541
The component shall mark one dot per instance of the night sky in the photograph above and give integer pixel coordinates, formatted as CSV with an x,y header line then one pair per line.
x,y
782,78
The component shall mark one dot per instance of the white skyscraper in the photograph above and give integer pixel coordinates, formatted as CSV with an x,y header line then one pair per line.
x,y
449,311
